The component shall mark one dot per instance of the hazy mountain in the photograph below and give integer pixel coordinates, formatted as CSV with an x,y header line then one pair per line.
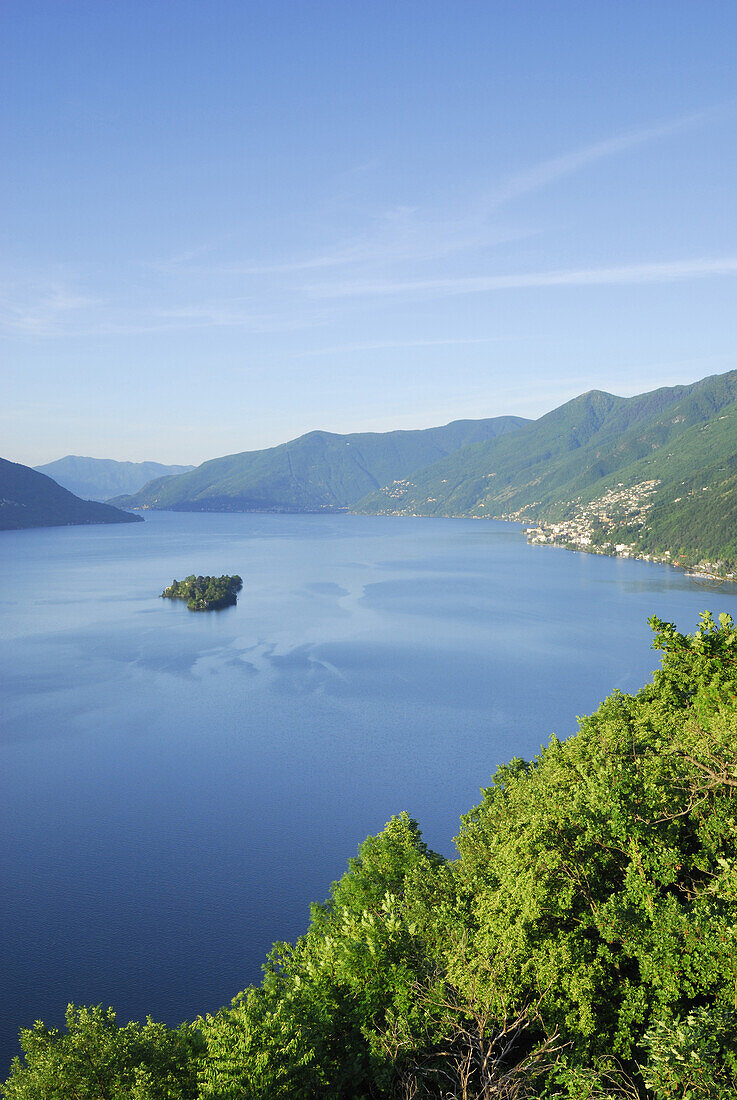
x,y
657,471
319,471
30,499
102,478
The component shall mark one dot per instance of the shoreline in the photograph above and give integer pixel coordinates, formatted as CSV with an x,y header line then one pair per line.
x,y
541,535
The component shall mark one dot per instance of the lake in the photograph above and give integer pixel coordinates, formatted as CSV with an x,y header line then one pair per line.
x,y
176,788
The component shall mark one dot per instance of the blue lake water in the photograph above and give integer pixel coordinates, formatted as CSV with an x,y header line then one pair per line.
x,y
175,788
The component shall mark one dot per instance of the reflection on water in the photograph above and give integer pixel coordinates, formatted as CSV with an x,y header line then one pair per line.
x,y
176,788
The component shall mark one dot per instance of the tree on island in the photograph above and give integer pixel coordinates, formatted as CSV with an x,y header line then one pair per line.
x,y
205,593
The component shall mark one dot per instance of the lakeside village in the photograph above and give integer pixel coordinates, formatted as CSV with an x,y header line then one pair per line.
x,y
621,506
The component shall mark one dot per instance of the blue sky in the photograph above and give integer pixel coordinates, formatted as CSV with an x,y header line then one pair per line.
x,y
228,223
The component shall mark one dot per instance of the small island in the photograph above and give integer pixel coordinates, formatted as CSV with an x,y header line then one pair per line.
x,y
205,593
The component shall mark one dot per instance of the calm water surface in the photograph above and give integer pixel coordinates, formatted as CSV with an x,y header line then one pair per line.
x,y
175,788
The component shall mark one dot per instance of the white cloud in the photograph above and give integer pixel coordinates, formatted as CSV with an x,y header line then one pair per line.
x,y
398,251
41,310
627,274
407,233
555,168
398,345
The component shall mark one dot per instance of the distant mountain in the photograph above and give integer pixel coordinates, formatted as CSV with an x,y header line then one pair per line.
x,y
102,478
30,499
655,473
319,471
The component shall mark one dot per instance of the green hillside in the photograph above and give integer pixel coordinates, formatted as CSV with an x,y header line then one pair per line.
x,y
316,472
102,478
30,499
562,456
689,441
696,519
596,456
580,947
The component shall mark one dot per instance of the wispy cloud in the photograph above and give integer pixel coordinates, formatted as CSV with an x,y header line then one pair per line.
x,y
34,306
553,169
396,235
408,233
400,250
398,345
62,312
42,310
247,314
663,272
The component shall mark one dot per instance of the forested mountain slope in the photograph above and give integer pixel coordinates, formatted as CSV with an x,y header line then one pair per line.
x,y
30,499
318,471
581,946
563,456
102,478
678,503
695,519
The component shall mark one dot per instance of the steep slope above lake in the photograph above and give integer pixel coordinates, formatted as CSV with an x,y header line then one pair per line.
x,y
30,499
597,467
562,456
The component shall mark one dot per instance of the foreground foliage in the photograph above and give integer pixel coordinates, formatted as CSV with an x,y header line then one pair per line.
x,y
95,1059
583,945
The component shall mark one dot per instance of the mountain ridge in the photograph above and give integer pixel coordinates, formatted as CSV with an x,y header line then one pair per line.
x,y
318,471
101,478
559,457
592,473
